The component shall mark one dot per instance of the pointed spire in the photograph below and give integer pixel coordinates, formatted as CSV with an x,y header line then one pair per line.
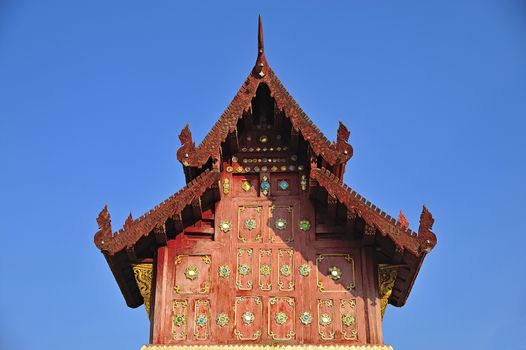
x,y
261,44
260,68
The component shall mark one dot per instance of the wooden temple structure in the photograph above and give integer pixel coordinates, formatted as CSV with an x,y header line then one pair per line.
x,y
265,246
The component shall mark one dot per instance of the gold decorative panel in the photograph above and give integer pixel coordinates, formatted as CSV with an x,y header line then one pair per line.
x,y
281,318
281,224
286,269
265,269
249,224
335,272
326,329
201,319
248,314
179,319
348,319
143,277
192,274
245,269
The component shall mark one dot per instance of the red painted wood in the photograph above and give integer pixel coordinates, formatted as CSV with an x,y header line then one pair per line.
x,y
208,294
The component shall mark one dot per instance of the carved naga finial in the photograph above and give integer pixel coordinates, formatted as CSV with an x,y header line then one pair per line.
x,y
104,232
186,135
260,68
188,145
341,141
426,237
403,221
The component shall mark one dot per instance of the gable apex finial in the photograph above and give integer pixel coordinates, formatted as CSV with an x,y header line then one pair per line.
x,y
260,68
261,44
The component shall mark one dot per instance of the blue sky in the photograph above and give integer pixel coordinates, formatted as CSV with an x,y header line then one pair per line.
x,y
93,95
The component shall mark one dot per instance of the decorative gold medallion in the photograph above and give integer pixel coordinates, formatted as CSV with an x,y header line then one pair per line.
x,y
306,318
280,318
229,169
281,224
285,270
325,320
303,181
191,272
304,225
225,226
248,317
244,269
226,186
222,319
348,320
201,320
264,270
179,320
250,224
224,271
263,139
239,169
304,270
335,273
245,185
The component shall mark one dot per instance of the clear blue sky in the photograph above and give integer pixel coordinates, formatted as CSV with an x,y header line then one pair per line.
x,y
94,93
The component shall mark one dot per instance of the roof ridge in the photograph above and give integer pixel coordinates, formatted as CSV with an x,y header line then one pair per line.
x,y
373,216
132,230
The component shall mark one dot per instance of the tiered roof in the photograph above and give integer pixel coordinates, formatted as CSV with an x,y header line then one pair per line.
x,y
138,238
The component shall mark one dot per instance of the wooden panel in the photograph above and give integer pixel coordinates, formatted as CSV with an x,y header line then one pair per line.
x,y
179,319
281,223
348,319
265,269
248,313
335,272
201,319
326,329
192,274
281,318
245,269
250,224
286,269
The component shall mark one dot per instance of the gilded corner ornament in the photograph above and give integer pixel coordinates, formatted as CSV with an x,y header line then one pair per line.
x,y
143,278
386,280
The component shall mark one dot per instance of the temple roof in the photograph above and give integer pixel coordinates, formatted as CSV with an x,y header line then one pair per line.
x,y
334,153
190,206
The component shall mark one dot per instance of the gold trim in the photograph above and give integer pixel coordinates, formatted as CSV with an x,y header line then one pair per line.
x,y
240,209
343,326
204,288
143,277
266,347
204,303
291,334
257,334
386,279
184,305
290,209
249,252
319,284
290,253
330,334
263,252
